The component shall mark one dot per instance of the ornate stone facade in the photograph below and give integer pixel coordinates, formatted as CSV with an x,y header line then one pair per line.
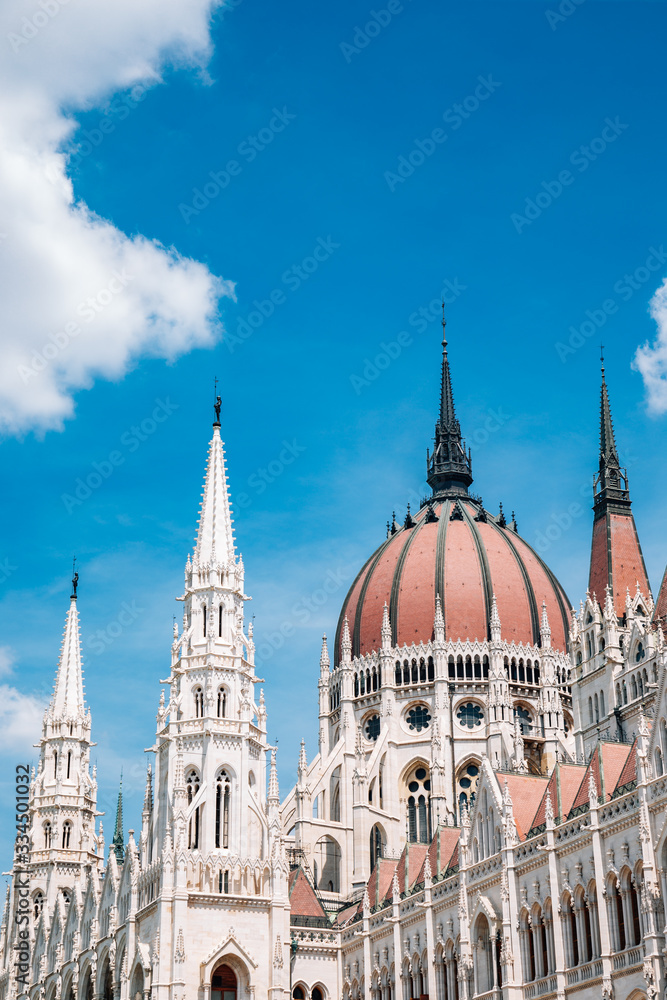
x,y
485,817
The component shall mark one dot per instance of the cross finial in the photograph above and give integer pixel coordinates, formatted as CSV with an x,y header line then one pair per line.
x,y
444,324
602,358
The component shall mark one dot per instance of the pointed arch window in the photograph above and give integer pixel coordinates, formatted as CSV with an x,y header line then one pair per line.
x,y
67,833
222,703
192,786
48,833
38,904
220,620
55,763
199,702
222,797
69,762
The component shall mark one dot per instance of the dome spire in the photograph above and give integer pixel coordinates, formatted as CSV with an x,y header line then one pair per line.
x,y
616,556
449,468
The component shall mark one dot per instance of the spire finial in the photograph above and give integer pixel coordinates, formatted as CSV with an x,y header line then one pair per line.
x,y
217,405
449,467
75,579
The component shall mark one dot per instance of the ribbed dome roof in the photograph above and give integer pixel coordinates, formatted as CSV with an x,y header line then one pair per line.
x,y
466,556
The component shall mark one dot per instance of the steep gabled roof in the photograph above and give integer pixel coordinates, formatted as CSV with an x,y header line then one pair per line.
x,y
563,786
606,765
449,840
526,792
628,776
302,897
416,857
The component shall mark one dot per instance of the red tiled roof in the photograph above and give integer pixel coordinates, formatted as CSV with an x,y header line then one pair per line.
x,y
463,560
614,758
416,855
629,772
449,839
616,559
526,792
303,901
563,786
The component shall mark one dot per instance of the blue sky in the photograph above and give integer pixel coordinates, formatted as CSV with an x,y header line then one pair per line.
x,y
343,440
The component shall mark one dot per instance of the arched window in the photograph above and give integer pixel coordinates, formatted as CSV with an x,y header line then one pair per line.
x,y
419,820
639,655
69,762
222,797
203,614
397,673
222,703
298,993
220,620
377,847
422,670
524,718
192,787
198,695
47,836
55,763
413,672
633,687
597,708
431,672
602,711
224,984
590,710
37,904
327,859
67,832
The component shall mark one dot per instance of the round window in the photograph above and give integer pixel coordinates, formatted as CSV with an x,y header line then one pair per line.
x,y
470,715
419,718
414,786
373,727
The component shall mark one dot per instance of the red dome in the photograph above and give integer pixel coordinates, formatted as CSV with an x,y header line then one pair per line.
x,y
466,556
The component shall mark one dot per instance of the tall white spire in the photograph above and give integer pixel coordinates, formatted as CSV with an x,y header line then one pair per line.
x,y
67,700
215,535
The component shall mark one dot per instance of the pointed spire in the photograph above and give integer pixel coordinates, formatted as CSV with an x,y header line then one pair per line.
x,y
346,643
325,662
449,468
545,628
67,700
302,767
395,888
386,628
215,535
117,841
148,795
592,790
495,621
274,792
616,556
549,812
438,621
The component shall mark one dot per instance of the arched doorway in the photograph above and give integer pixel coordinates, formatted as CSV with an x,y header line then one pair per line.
x,y
224,985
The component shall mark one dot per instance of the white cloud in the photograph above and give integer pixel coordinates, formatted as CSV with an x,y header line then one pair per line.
x,y
651,359
55,253
20,712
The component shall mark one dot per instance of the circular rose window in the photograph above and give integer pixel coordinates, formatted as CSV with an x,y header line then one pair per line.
x,y
418,718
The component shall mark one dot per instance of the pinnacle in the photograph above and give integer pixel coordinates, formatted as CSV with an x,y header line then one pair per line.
x,y
67,701
215,535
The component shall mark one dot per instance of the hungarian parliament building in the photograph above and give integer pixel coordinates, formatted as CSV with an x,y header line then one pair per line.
x,y
485,815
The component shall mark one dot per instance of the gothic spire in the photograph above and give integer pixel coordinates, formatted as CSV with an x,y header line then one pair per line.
x,y
449,468
117,841
616,556
215,535
67,700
